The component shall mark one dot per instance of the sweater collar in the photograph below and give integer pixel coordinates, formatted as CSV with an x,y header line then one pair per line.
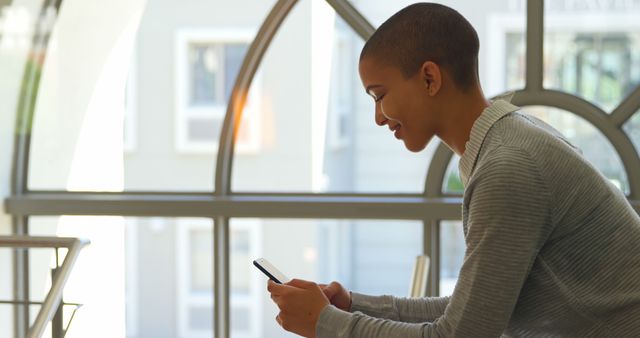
x,y
499,107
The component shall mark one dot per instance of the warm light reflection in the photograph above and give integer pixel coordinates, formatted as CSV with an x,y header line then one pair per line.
x,y
248,111
239,102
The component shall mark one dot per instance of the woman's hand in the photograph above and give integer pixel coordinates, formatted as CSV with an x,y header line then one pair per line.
x,y
300,303
337,295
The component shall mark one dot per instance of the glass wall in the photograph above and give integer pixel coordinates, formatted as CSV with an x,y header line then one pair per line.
x,y
130,105
153,277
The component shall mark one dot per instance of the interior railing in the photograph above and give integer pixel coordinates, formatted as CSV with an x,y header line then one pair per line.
x,y
54,297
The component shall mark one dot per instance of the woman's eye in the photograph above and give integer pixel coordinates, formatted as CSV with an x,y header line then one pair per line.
x,y
378,99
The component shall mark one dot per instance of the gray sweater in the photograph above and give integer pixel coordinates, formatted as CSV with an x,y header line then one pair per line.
x,y
552,247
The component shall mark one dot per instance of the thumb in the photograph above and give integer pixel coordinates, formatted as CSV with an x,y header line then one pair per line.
x,y
302,284
331,289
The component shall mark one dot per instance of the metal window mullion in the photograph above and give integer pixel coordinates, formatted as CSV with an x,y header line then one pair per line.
x,y
400,208
534,75
623,112
431,248
221,280
21,290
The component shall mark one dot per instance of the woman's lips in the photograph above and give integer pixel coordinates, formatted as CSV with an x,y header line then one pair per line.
x,y
396,132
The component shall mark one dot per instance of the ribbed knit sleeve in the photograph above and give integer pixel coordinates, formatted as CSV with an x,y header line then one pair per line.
x,y
410,310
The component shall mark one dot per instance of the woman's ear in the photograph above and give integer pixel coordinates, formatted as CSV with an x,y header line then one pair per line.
x,y
432,76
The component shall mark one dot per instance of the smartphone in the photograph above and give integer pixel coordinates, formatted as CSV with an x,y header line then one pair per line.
x,y
270,270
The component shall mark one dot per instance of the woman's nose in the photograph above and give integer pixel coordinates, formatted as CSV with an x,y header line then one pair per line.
x,y
381,120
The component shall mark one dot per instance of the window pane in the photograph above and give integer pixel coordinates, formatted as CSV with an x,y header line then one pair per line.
x,y
233,55
204,71
632,127
214,67
318,130
592,50
516,50
595,147
377,11
452,249
200,260
97,280
373,257
77,135
146,277
452,183
201,319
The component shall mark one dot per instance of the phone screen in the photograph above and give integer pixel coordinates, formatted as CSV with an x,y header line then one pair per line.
x,y
271,271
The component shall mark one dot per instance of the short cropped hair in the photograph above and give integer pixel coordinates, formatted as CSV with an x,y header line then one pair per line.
x,y
427,32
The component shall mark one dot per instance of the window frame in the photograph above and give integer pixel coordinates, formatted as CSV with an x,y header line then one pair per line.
x,y
184,112
429,207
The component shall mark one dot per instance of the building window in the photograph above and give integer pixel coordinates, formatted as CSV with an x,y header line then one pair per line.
x,y
194,250
207,64
195,277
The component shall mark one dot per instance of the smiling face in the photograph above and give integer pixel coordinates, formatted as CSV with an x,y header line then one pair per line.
x,y
406,105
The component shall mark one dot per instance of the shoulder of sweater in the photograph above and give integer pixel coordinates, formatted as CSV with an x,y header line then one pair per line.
x,y
527,132
505,157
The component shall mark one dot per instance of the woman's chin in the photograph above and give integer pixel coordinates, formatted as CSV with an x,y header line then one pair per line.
x,y
415,146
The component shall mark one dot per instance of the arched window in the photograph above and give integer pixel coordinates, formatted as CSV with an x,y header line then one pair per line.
x,y
253,137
